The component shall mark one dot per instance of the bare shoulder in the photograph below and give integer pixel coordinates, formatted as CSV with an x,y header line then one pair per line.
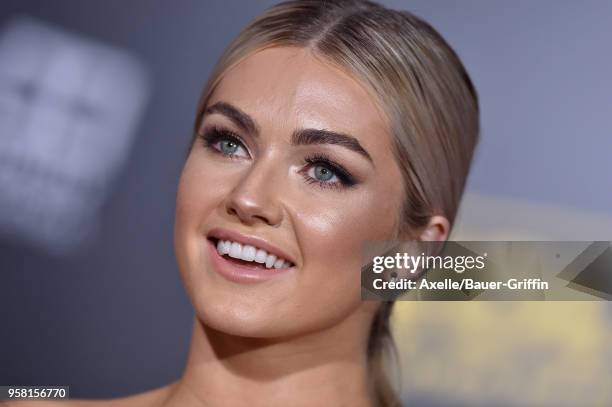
x,y
150,398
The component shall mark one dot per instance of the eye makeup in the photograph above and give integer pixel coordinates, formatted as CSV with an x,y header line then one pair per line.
x,y
345,178
213,137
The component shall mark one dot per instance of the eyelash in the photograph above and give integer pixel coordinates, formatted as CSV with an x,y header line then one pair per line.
x,y
213,135
346,179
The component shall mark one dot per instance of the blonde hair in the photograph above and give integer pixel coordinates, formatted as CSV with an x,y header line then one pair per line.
x,y
423,88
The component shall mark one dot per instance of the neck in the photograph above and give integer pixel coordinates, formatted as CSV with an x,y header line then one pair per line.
x,y
328,367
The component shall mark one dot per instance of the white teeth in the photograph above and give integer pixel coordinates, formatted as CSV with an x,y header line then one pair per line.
x,y
248,253
235,250
224,247
270,261
260,256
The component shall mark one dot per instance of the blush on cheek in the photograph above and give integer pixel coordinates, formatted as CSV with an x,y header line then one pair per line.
x,y
332,243
196,200
335,240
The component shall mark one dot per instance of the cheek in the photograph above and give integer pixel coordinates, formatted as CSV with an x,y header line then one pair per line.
x,y
338,228
194,203
332,236
195,198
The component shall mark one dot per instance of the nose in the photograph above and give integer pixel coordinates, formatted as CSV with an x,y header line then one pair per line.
x,y
256,197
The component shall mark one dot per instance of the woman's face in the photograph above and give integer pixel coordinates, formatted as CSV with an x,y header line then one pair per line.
x,y
294,160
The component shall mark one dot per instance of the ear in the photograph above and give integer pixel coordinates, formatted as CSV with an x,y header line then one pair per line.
x,y
437,229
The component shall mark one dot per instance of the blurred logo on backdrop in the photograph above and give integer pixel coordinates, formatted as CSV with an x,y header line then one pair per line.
x,y
69,107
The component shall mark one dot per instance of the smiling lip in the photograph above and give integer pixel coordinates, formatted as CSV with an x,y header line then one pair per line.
x,y
242,272
225,234
239,272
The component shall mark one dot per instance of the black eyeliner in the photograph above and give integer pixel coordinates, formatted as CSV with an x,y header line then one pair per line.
x,y
213,134
345,177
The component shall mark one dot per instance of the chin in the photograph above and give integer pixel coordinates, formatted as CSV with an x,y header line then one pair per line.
x,y
240,319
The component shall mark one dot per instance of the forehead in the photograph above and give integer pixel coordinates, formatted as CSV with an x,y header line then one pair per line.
x,y
293,88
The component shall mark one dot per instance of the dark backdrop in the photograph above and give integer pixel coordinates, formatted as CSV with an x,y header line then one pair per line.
x,y
114,320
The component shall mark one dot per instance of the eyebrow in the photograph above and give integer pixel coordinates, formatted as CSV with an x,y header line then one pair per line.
x,y
299,137
314,136
240,118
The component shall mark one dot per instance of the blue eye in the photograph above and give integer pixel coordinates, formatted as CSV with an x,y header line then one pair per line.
x,y
225,142
228,147
327,174
322,173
